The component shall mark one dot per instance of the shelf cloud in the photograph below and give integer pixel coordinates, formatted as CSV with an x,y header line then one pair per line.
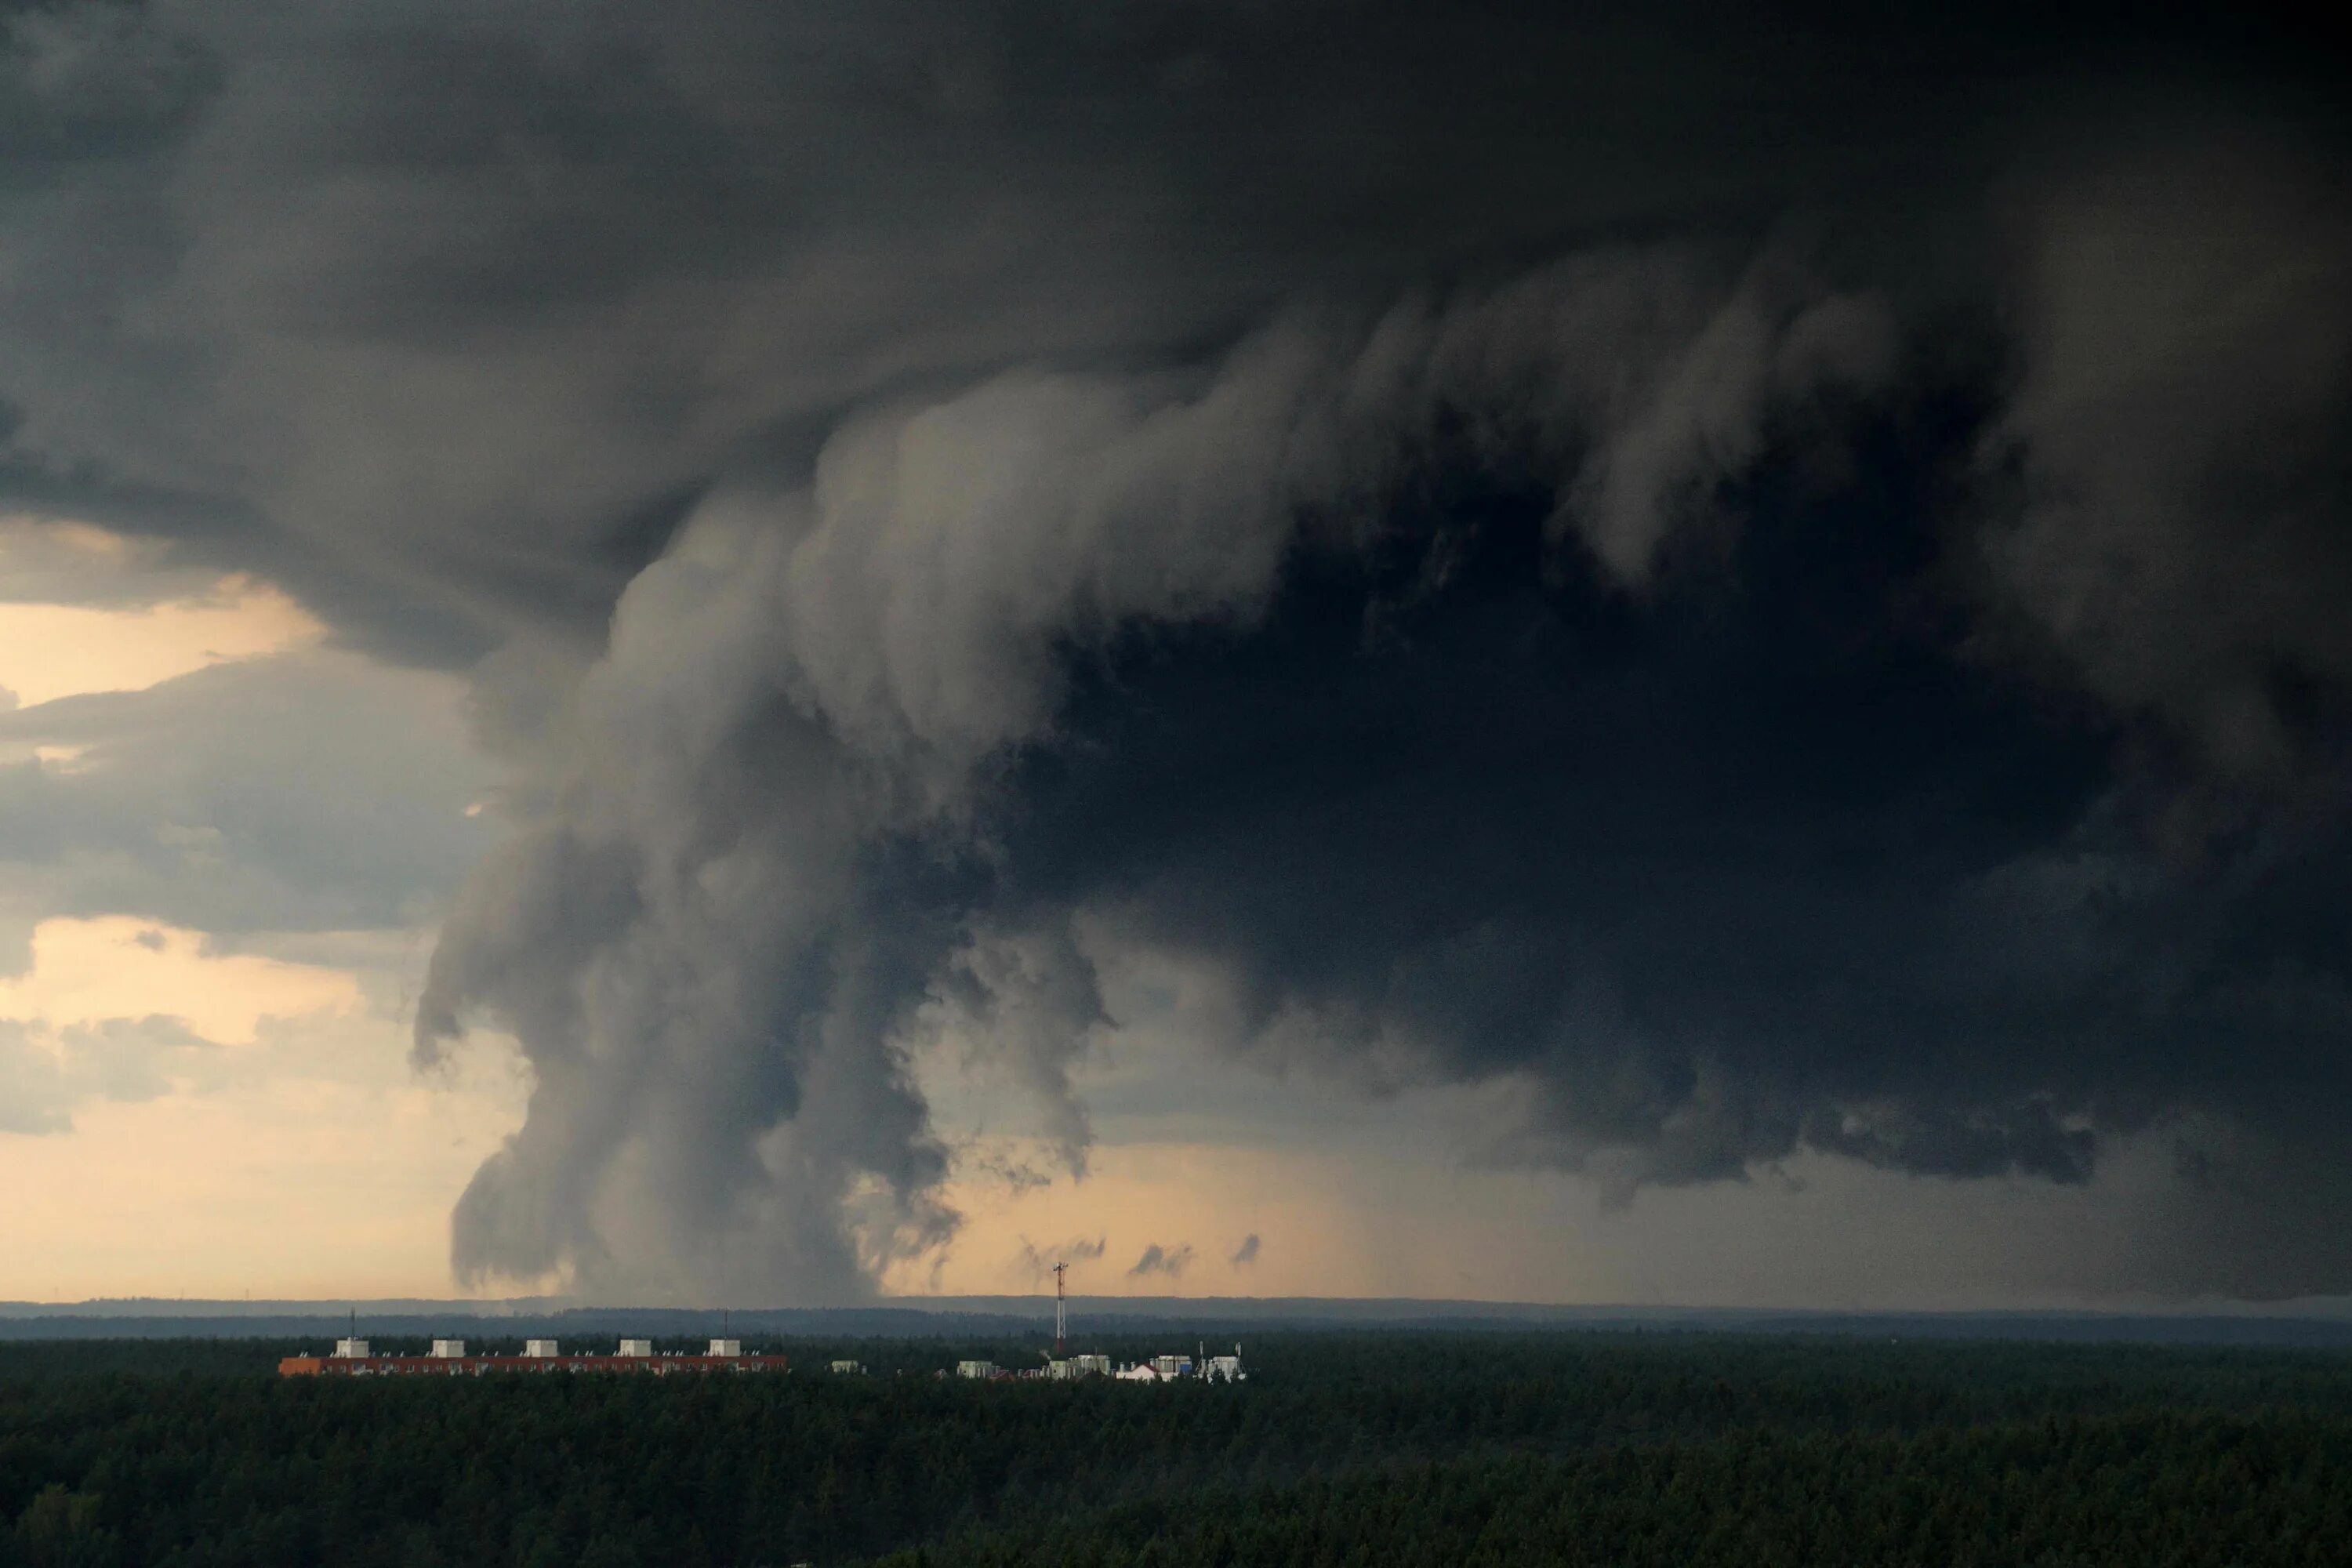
x,y
1771,607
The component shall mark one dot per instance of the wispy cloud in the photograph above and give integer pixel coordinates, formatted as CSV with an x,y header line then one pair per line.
x,y
1158,1260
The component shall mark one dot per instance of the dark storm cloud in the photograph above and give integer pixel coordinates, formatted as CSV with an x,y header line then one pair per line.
x,y
1247,1253
2180,443
467,296
1771,584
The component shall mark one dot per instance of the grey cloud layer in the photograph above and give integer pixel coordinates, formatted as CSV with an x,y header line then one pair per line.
x,y
302,792
45,1073
1508,544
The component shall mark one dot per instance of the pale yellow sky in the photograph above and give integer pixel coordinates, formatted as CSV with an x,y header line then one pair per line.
x,y
88,971
300,1156
51,650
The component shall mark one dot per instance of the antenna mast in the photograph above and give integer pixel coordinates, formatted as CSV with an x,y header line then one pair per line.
x,y
1061,1335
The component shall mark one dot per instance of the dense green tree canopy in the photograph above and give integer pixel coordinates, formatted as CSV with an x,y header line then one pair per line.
x,y
1489,1448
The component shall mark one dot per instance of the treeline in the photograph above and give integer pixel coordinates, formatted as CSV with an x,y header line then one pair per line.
x,y
194,1453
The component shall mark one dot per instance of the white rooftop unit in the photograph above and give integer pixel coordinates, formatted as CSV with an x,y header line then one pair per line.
x,y
352,1350
975,1369
726,1347
448,1350
636,1347
542,1347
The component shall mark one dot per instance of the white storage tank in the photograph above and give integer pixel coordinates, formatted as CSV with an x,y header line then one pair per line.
x,y
542,1347
352,1350
636,1347
726,1347
448,1350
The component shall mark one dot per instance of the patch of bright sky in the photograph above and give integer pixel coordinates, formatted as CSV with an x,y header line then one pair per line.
x,y
88,970
306,1159
312,1162
327,1172
100,642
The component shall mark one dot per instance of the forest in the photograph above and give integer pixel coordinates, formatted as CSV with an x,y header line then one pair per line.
x,y
1356,1448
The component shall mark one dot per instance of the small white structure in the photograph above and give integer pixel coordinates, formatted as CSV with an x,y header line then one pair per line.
x,y
448,1350
540,1348
1078,1366
1171,1366
975,1369
848,1366
1141,1371
636,1347
726,1347
352,1350
1223,1368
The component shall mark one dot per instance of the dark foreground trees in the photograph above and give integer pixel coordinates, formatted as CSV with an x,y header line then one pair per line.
x,y
1341,1448
2154,1491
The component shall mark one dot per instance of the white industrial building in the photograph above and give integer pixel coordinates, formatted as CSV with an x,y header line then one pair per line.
x,y
1168,1368
982,1369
